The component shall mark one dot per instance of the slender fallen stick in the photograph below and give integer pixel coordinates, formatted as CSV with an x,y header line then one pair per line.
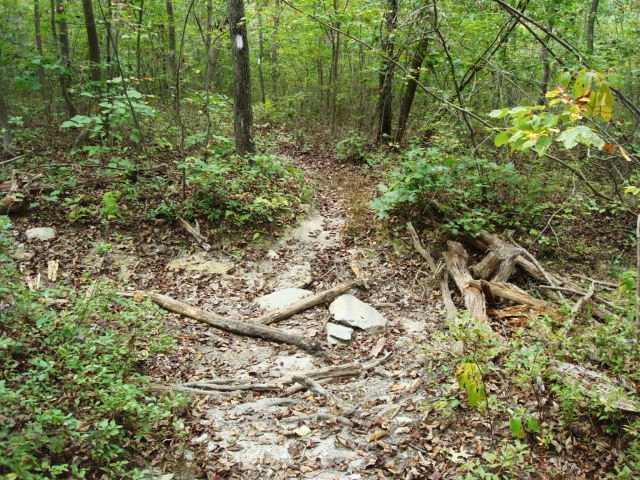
x,y
201,239
307,302
424,253
236,326
577,308
507,291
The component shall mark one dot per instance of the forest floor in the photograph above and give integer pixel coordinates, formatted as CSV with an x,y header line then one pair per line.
x,y
405,419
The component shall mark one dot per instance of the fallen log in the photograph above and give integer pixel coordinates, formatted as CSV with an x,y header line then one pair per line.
x,y
456,259
236,326
507,291
307,302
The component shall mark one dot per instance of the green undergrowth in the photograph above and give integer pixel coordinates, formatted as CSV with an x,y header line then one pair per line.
x,y
75,401
227,192
507,375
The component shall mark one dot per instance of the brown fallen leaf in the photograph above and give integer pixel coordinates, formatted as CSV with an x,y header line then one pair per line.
x,y
377,435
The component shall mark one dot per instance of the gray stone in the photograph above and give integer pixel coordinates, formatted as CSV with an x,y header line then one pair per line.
x,y
355,313
264,405
41,233
294,363
338,333
298,277
200,263
282,298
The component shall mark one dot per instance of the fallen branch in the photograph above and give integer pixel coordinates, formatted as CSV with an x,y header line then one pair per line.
x,y
195,233
327,417
507,291
236,326
417,244
307,302
580,304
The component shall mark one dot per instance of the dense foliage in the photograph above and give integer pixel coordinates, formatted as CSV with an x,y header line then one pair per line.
x,y
74,400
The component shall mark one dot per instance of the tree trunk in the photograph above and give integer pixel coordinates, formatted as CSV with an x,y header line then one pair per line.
x,y
591,23
385,98
4,123
410,91
333,73
260,57
65,56
92,40
39,47
139,40
173,67
242,110
210,66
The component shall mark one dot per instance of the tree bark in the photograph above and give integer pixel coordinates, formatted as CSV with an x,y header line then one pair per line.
x,y
385,97
457,260
591,24
260,57
242,109
410,91
92,40
334,34
38,34
4,123
173,67
139,40
65,56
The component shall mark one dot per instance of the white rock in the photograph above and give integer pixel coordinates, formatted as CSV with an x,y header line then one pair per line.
x,y
282,298
348,309
299,276
41,233
338,333
294,363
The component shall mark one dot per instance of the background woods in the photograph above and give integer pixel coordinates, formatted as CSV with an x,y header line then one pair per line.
x,y
192,193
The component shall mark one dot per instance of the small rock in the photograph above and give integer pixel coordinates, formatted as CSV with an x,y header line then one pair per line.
x,y
201,439
282,298
272,255
294,363
356,313
41,233
298,277
302,431
404,421
338,333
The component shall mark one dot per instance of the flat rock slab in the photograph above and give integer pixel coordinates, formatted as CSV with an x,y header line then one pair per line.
x,y
41,233
200,263
355,313
293,363
282,298
338,333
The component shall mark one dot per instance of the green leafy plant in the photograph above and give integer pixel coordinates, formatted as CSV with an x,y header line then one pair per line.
x,y
352,148
73,399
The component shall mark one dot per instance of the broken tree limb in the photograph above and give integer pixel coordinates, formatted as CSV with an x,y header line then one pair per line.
x,y
580,304
424,253
236,326
307,302
457,259
508,291
195,233
498,265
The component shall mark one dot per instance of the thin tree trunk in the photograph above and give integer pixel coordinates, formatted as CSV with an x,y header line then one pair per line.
x,y
65,56
4,123
38,34
274,57
242,109
54,30
173,67
139,40
546,69
410,91
92,40
260,57
591,23
334,72
209,70
385,98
